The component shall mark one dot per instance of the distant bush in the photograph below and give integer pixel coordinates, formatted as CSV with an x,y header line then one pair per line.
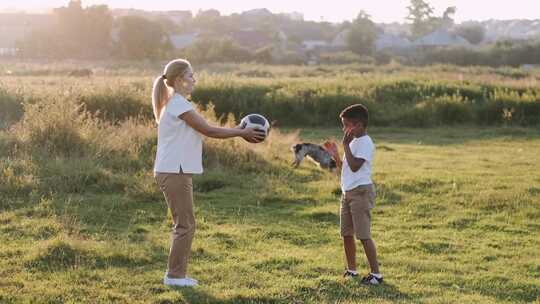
x,y
290,57
444,110
55,126
339,58
118,103
505,53
391,102
12,108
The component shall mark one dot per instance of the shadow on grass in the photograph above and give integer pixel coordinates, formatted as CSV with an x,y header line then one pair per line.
x,y
198,295
326,291
331,291
62,256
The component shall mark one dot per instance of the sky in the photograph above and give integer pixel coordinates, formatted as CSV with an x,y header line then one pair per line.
x,y
333,11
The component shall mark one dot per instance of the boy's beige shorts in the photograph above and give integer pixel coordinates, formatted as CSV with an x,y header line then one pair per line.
x,y
355,215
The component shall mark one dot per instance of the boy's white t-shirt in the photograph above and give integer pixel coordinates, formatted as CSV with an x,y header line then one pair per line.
x,y
361,147
179,146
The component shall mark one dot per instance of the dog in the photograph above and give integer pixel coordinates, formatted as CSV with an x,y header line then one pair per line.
x,y
315,153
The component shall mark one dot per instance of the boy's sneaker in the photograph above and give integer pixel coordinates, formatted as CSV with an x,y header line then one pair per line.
x,y
349,273
183,282
371,279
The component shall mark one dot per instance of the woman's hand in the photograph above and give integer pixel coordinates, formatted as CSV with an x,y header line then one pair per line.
x,y
197,122
253,135
331,147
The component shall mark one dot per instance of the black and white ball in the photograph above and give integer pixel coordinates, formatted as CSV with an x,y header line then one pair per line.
x,y
256,121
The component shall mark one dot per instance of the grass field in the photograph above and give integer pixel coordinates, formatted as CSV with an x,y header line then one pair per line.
x,y
299,96
456,222
457,218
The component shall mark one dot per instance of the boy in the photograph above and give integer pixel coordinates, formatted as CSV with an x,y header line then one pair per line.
x,y
358,191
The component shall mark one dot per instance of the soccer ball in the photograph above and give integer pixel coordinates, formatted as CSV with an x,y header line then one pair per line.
x,y
255,121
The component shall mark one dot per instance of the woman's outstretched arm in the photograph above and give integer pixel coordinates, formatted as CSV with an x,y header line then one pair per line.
x,y
197,122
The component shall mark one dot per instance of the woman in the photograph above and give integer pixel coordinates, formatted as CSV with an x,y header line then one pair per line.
x,y
179,156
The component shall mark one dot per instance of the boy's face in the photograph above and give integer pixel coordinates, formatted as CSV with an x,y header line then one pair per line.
x,y
357,127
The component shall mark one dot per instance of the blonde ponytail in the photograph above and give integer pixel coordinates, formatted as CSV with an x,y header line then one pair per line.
x,y
163,83
160,95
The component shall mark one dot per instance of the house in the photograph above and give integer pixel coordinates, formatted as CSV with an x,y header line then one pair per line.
x,y
315,44
511,29
16,27
441,37
303,31
391,41
340,41
9,35
383,41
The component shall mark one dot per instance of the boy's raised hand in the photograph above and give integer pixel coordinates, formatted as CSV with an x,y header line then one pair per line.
x,y
348,137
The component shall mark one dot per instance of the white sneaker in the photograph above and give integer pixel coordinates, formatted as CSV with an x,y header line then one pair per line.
x,y
183,282
193,280
371,279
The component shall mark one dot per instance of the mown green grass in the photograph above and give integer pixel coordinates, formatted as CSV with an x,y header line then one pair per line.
x,y
82,221
456,221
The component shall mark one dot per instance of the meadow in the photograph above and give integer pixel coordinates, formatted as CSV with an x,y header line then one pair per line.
x,y
458,207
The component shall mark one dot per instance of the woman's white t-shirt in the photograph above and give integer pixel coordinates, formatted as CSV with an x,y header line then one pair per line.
x,y
179,146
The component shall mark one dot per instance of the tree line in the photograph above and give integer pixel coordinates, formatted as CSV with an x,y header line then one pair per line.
x,y
93,33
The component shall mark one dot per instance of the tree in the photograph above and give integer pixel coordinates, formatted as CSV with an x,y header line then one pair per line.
x,y
420,14
264,54
77,33
211,22
83,32
474,33
140,38
71,28
362,35
211,13
99,23
448,16
445,22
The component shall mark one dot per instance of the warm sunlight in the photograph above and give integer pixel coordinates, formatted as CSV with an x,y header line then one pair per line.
x,y
332,11
270,152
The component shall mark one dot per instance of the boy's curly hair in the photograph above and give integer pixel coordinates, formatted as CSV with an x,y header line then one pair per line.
x,y
356,112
